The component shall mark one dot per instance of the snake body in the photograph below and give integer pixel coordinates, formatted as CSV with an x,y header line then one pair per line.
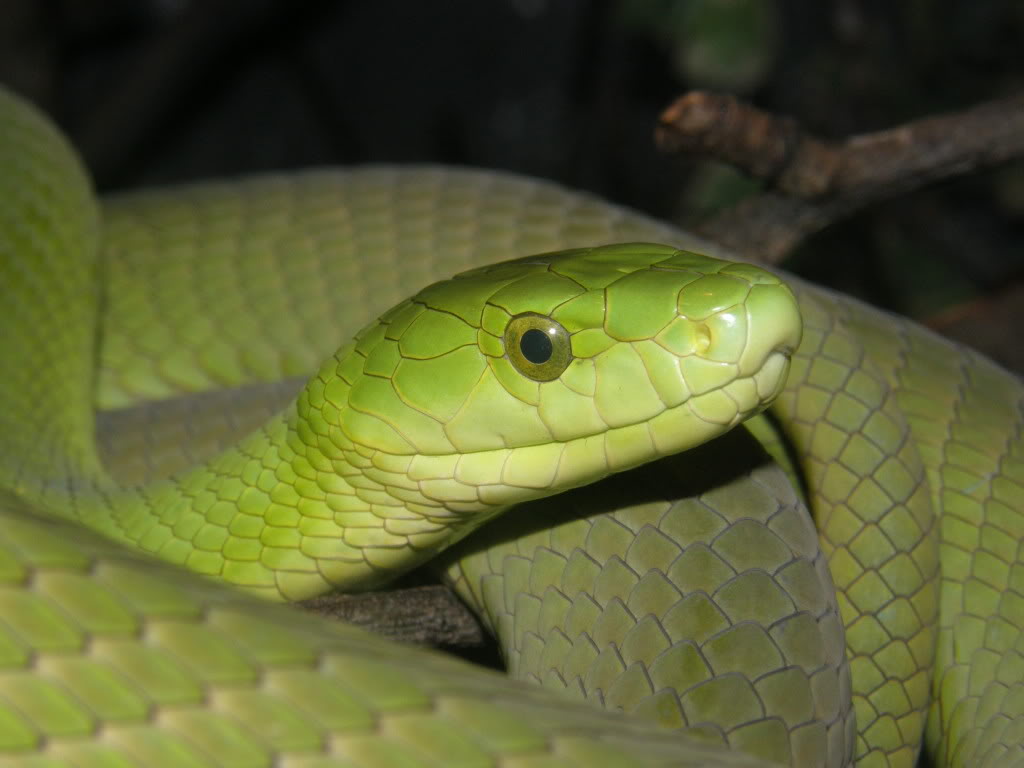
x,y
692,590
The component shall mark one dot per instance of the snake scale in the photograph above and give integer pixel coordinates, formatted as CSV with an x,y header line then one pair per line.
x,y
150,426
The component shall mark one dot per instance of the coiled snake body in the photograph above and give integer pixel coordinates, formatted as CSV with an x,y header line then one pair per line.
x,y
692,589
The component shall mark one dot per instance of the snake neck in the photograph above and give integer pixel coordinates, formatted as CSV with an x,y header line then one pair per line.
x,y
283,514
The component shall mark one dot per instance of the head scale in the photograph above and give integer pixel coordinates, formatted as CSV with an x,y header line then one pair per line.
x,y
529,377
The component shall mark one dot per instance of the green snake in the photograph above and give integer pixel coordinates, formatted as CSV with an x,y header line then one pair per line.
x,y
142,436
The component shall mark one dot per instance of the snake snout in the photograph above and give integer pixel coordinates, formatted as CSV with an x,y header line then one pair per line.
x,y
741,323
773,317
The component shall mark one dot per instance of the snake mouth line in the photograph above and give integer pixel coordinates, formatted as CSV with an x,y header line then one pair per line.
x,y
776,365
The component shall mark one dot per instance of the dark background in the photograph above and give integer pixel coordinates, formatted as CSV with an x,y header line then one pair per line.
x,y
156,91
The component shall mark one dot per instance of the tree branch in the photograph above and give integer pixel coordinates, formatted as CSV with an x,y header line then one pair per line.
x,y
812,182
425,615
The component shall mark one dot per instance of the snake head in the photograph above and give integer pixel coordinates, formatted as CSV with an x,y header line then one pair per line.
x,y
532,376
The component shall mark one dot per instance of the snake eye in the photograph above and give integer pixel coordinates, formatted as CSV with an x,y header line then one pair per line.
x,y
537,346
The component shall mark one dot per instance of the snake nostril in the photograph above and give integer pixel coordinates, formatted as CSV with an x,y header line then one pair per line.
x,y
701,338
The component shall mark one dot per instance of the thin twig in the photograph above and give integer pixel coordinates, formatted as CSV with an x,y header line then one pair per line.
x,y
812,182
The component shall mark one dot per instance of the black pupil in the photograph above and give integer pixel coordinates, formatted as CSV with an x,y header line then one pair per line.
x,y
535,346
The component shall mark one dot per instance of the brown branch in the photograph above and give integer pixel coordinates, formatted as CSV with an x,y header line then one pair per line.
x,y
812,182
423,615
